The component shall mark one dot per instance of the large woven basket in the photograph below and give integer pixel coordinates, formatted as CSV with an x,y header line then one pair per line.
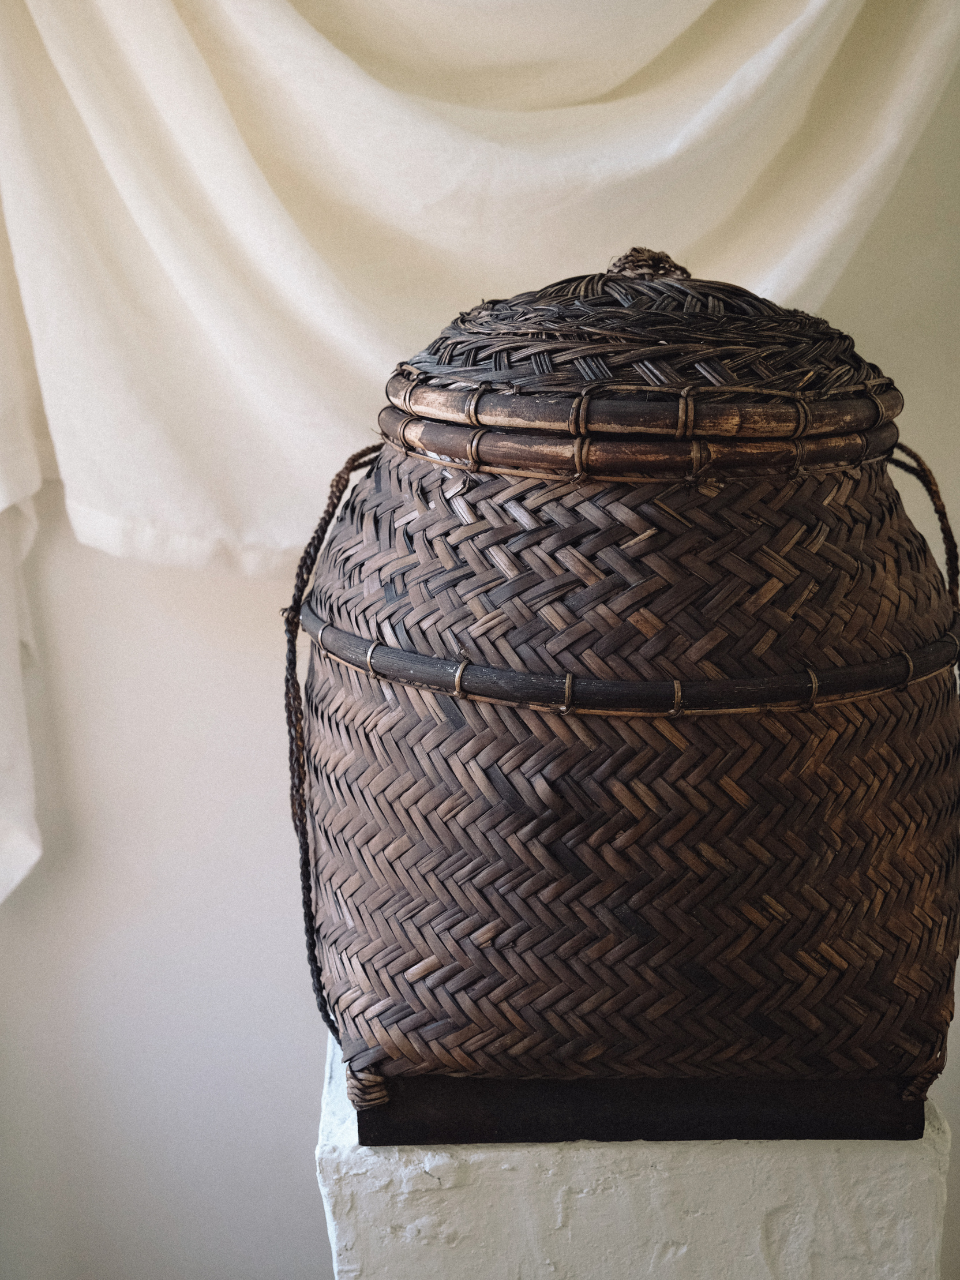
x,y
631,724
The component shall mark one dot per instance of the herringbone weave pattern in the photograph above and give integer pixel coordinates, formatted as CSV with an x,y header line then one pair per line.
x,y
514,892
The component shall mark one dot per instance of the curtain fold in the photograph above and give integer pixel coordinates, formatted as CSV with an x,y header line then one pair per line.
x,y
22,433
230,218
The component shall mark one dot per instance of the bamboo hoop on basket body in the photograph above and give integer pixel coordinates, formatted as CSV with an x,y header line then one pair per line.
x,y
644,698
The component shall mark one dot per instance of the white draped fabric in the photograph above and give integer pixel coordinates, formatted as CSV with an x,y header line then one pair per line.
x,y
230,218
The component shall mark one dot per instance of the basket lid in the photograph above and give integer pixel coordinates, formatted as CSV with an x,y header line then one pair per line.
x,y
645,340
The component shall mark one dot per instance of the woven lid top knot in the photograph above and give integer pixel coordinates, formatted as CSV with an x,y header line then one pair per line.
x,y
643,325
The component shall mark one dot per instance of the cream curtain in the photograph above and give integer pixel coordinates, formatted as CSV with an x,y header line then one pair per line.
x,y
230,218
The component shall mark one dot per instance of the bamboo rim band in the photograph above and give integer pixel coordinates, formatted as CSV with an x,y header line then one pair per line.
x,y
583,695
679,412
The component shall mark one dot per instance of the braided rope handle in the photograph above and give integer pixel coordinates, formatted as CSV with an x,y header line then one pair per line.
x,y
294,708
920,471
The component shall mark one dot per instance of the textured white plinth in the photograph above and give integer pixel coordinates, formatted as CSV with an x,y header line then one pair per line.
x,y
622,1211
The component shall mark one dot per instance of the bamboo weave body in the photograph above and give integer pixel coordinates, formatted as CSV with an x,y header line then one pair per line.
x,y
500,888
516,892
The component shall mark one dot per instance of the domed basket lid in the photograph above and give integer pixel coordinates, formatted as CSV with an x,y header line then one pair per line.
x,y
644,349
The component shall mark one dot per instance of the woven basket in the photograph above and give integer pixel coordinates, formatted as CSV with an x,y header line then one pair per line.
x,y
631,727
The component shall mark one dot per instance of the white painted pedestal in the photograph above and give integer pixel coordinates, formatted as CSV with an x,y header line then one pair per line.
x,y
626,1210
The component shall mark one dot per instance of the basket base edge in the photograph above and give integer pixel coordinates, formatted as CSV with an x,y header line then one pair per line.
x,y
430,1110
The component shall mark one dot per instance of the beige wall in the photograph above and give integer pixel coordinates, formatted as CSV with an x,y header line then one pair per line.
x,y
161,1056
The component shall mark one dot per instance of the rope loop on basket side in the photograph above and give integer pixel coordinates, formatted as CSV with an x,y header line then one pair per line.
x,y
920,471
294,709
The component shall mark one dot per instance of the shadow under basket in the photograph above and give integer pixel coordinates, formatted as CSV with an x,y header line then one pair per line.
x,y
626,770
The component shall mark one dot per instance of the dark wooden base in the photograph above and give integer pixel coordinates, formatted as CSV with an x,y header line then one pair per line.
x,y
427,1110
